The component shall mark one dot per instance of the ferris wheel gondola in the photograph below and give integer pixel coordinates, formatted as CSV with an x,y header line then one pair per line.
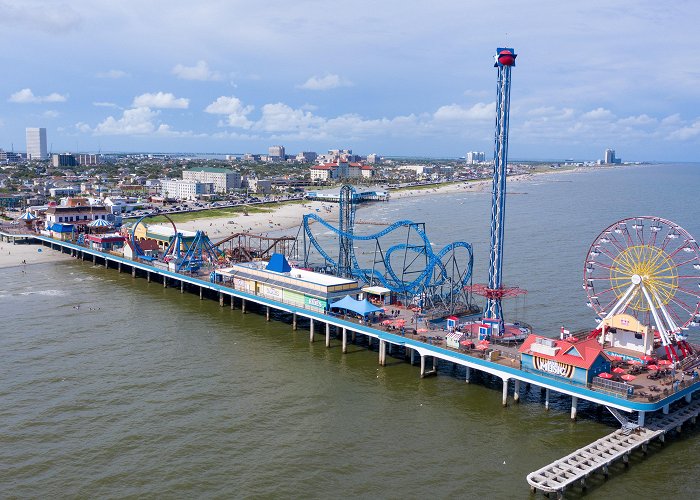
x,y
649,268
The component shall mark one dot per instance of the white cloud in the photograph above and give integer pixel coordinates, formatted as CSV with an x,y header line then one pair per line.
x,y
454,112
164,100
688,132
140,121
598,114
51,114
639,120
237,113
103,104
280,117
199,71
325,83
112,73
55,18
25,96
136,121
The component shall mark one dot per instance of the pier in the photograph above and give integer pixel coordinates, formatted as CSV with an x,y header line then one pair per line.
x,y
578,466
654,417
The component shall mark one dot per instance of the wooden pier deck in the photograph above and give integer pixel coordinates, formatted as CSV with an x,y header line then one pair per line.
x,y
599,455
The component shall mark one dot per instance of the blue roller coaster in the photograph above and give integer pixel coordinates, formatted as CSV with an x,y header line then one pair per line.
x,y
418,275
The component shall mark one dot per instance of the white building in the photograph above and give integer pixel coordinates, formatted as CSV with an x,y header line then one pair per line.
x,y
340,170
181,189
263,186
223,179
276,153
36,144
475,157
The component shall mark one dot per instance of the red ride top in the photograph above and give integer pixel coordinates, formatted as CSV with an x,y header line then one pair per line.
x,y
506,58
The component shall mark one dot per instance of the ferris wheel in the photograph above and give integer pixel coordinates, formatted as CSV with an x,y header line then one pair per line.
x,y
649,268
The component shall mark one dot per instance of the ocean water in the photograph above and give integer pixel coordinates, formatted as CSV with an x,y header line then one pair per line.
x,y
115,387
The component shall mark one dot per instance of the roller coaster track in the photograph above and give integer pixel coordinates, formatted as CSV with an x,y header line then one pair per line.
x,y
425,279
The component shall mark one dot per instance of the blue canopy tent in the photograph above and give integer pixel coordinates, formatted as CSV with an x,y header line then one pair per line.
x,y
361,307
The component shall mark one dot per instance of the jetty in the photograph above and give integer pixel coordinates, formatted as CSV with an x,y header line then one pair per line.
x,y
578,466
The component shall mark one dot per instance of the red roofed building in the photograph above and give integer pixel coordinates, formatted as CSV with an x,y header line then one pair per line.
x,y
150,248
577,361
340,170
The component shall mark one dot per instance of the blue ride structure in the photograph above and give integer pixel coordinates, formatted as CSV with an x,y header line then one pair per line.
x,y
187,254
505,60
411,269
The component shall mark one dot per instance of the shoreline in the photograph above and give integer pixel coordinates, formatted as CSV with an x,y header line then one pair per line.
x,y
27,254
280,219
286,216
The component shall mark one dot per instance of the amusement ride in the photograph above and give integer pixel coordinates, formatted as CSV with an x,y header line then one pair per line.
x,y
648,268
411,269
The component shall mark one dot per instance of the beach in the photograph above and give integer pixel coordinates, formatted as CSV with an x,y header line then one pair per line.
x,y
286,217
24,254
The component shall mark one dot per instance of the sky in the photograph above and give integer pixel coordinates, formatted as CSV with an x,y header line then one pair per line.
x,y
392,77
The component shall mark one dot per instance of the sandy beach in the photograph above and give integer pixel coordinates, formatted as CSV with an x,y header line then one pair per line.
x,y
22,254
286,218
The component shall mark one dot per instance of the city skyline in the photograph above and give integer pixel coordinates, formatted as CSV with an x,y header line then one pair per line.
x,y
395,78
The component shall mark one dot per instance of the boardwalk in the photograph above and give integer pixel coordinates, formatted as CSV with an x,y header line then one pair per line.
x,y
577,466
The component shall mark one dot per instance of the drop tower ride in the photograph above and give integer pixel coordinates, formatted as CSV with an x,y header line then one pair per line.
x,y
505,60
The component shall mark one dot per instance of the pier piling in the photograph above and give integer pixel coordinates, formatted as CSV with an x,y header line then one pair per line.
x,y
294,321
243,306
311,330
345,340
516,390
221,299
267,313
505,392
382,352
546,399
328,334
574,405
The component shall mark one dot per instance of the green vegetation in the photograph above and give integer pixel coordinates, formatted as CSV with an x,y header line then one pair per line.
x,y
211,214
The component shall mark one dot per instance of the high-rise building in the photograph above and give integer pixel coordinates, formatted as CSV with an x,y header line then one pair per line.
x,y
474,157
36,144
223,179
64,160
276,153
610,157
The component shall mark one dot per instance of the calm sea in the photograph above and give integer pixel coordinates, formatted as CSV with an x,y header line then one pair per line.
x,y
146,392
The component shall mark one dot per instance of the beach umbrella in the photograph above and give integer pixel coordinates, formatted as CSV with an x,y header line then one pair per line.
x,y
618,370
386,322
422,330
484,342
652,367
466,342
481,347
605,375
664,362
628,378
647,358
615,358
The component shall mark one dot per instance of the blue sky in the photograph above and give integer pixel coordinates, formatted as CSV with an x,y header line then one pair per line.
x,y
391,77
